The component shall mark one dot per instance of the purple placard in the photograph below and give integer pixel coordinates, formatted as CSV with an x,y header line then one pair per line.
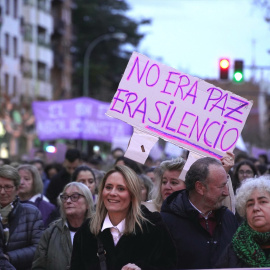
x,y
80,118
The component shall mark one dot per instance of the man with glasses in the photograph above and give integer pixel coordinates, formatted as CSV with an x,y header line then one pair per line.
x,y
200,226
22,223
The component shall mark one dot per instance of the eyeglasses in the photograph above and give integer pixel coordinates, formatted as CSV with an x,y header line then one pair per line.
x,y
246,172
74,197
6,188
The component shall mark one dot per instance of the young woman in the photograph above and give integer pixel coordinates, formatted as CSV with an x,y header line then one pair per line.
x,y
124,234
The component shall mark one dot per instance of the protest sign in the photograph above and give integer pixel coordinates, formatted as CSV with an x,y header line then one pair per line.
x,y
163,102
80,118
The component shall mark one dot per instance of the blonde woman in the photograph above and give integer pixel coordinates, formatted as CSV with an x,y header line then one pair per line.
x,y
125,235
167,178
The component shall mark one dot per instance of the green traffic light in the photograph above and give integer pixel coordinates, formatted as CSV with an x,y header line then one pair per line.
x,y
238,76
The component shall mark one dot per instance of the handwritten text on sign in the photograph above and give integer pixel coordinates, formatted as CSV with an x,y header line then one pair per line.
x,y
179,108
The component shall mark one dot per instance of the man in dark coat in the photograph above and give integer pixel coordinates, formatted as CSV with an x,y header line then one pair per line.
x,y
200,226
57,183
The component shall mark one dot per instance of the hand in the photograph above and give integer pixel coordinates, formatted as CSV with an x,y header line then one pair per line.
x,y
227,161
131,266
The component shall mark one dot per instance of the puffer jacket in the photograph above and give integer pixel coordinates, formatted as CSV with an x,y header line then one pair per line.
x,y
196,247
25,229
54,249
4,263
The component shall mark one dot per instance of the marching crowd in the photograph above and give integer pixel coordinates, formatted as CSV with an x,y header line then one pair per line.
x,y
124,215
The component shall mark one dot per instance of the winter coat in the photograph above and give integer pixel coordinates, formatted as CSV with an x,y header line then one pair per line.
x,y
151,249
54,249
25,229
196,248
229,259
4,263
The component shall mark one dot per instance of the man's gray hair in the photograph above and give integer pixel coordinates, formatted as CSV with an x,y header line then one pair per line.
x,y
199,171
247,187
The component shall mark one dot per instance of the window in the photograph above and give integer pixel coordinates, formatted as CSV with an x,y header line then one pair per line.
x,y
6,82
41,71
15,47
14,86
7,7
7,44
15,11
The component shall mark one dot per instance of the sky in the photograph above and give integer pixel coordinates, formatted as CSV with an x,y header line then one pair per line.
x,y
192,35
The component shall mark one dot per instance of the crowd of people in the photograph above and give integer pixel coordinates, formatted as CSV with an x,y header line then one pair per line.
x,y
128,216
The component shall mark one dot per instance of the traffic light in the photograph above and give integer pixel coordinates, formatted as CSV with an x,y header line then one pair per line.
x,y
224,65
238,74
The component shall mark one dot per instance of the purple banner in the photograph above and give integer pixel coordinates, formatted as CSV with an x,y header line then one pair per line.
x,y
80,118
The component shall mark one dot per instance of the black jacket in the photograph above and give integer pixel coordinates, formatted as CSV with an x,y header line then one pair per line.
x,y
25,229
229,259
57,185
4,263
196,248
152,249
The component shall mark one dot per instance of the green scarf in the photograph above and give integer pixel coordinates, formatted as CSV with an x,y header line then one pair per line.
x,y
247,245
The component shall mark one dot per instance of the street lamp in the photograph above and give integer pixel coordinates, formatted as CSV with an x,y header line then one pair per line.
x,y
91,46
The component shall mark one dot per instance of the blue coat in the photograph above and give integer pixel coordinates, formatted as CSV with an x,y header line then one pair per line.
x,y
196,248
25,229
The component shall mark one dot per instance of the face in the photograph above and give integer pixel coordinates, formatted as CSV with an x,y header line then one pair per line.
x,y
151,175
26,185
39,168
6,197
74,209
258,211
216,189
52,172
144,193
72,166
87,178
116,195
245,172
171,183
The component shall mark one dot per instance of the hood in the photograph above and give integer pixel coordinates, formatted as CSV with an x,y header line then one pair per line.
x,y
177,203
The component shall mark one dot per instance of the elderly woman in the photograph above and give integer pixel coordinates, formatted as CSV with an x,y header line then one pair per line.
x,y
55,246
22,223
124,235
84,174
250,246
31,189
167,176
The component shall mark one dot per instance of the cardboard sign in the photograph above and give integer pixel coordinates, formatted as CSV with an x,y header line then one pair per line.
x,y
163,102
80,118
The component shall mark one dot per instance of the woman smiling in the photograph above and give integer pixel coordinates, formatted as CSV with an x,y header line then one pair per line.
x,y
124,235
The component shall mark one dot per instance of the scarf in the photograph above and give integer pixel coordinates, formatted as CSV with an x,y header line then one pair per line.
x,y
4,212
247,246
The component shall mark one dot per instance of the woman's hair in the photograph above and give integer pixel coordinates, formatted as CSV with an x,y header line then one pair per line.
x,y
11,173
147,182
84,190
176,164
134,215
247,187
37,186
235,181
79,169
